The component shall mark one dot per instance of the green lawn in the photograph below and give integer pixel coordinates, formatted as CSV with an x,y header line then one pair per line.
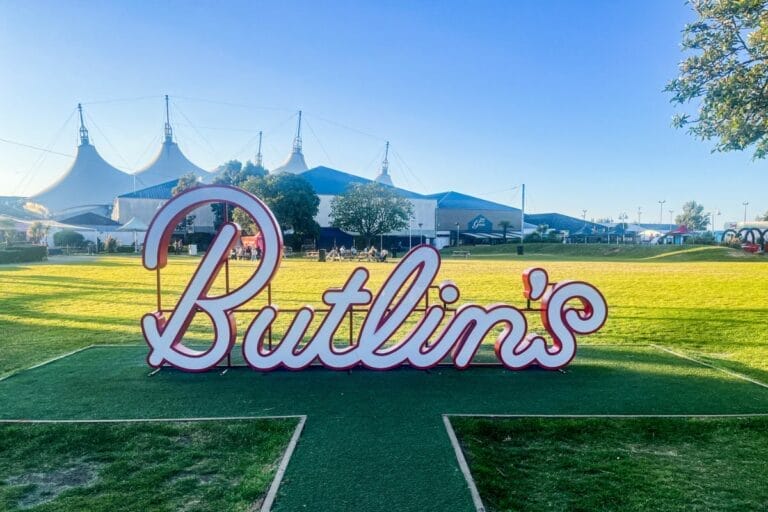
x,y
370,430
661,464
209,465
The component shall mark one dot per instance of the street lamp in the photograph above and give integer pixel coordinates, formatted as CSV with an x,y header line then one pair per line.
x,y
584,216
457,234
639,213
745,203
421,238
410,233
623,219
670,218
661,210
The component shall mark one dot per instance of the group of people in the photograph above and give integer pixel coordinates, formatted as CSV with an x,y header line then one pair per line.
x,y
368,254
245,253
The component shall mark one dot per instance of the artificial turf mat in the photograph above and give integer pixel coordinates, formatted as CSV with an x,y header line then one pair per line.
x,y
159,466
375,440
628,464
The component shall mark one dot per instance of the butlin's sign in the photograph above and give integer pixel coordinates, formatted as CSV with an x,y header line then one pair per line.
x,y
441,330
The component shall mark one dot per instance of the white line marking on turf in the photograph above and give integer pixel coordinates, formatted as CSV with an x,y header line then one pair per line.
x,y
478,502
708,365
610,416
158,420
272,493
49,361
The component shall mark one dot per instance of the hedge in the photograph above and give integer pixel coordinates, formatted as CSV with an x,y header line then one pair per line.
x,y
23,254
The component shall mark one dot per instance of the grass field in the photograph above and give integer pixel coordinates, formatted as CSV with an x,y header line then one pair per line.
x,y
369,430
636,464
211,465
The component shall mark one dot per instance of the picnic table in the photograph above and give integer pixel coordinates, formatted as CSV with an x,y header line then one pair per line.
x,y
463,254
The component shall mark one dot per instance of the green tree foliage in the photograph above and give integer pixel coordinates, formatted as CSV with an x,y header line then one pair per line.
x,y
291,198
185,182
68,238
726,74
763,217
234,174
370,210
693,216
37,232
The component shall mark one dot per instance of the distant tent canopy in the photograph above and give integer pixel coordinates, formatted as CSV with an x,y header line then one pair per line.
x,y
295,163
90,181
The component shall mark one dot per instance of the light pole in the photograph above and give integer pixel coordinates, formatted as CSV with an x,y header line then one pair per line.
x,y
745,203
410,233
670,218
421,238
623,218
661,211
639,213
457,234
584,216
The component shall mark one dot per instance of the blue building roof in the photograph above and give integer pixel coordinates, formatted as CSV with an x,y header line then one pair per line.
x,y
161,191
560,222
457,201
331,182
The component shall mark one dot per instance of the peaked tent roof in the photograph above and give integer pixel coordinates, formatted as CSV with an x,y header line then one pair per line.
x,y
89,181
295,163
458,201
384,178
133,225
682,229
331,182
169,164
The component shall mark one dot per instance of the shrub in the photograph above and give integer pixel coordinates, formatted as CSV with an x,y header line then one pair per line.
x,y
23,254
68,238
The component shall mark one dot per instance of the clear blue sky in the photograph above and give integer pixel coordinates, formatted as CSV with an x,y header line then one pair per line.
x,y
477,97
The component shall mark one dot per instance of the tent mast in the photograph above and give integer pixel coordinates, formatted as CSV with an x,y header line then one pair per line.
x,y
83,130
259,155
297,139
168,129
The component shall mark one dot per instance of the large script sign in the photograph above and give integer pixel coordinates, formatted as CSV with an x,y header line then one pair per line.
x,y
441,331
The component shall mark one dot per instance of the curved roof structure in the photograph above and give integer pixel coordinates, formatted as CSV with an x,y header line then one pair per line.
x,y
169,164
90,181
295,163
384,178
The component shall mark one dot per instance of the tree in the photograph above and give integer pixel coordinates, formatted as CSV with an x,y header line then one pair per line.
x,y
693,216
37,232
7,230
727,74
68,238
233,173
763,217
292,200
370,210
186,182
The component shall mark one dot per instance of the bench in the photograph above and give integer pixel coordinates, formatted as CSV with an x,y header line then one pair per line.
x,y
312,254
463,254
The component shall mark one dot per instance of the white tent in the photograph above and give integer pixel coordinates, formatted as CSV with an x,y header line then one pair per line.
x,y
169,164
90,182
295,163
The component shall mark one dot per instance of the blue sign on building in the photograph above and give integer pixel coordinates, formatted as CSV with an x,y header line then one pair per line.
x,y
480,223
